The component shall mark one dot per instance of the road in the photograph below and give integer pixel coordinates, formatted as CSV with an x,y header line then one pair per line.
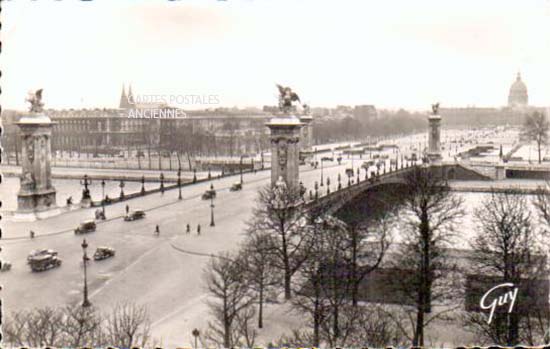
x,y
164,272
146,269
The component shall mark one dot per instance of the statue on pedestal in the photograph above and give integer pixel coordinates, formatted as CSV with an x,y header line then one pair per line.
x,y
286,98
35,99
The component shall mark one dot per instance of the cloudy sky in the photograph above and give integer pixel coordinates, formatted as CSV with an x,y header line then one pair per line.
x,y
396,53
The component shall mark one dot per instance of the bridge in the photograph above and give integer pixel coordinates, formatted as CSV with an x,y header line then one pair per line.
x,y
333,201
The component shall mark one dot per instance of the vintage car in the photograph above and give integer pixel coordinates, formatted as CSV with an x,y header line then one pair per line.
x,y
135,214
44,262
236,186
327,158
5,266
40,252
209,194
85,227
103,253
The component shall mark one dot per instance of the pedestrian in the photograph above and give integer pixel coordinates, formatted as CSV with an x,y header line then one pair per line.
x,y
127,209
32,234
188,229
157,230
198,229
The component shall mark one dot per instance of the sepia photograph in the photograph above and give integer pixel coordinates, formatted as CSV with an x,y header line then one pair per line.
x,y
215,174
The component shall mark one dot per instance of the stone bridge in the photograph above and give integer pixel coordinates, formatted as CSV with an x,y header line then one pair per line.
x,y
333,201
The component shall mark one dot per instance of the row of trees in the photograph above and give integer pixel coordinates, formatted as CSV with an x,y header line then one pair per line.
x,y
349,128
321,265
126,325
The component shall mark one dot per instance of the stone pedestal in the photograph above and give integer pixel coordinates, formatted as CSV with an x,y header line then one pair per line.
x,y
285,149
36,195
306,137
434,138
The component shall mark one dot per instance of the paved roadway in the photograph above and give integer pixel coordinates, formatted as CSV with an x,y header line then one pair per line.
x,y
147,269
163,272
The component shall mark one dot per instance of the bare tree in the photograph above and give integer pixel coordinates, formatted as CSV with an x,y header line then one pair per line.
x,y
431,212
368,245
535,128
128,325
259,268
230,297
280,215
508,249
82,326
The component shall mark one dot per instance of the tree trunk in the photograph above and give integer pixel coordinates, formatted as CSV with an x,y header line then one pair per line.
x,y
261,306
539,149
288,294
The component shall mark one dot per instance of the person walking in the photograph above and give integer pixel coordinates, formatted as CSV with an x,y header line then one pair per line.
x,y
127,209
188,229
199,229
157,230
32,234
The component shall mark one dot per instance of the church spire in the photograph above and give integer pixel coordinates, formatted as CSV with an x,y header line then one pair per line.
x,y
123,99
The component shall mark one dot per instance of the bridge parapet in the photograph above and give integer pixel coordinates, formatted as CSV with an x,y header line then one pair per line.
x,y
333,201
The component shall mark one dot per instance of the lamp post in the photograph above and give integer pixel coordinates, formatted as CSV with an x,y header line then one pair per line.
x,y
121,185
85,302
86,192
179,184
322,172
212,205
241,168
103,196
316,186
195,334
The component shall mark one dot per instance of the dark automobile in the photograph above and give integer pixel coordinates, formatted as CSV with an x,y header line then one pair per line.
x,y
133,215
209,194
103,253
44,262
327,158
85,227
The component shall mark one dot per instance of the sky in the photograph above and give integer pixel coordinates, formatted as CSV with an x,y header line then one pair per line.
x,y
393,54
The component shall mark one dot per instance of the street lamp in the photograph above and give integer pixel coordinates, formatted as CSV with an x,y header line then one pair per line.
x,y
86,192
86,302
103,196
179,184
121,185
195,334
322,172
212,205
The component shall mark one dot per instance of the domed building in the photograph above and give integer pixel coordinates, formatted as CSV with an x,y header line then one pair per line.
x,y
518,94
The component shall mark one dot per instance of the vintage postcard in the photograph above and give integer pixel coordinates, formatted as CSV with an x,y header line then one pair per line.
x,y
265,174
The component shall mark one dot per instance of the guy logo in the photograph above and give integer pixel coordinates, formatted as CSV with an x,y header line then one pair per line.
x,y
508,297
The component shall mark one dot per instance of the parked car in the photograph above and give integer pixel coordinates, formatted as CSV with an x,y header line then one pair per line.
x,y
209,194
85,227
133,215
40,252
44,262
5,266
103,253
236,186
327,158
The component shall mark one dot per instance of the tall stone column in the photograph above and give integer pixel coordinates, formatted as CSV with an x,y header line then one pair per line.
x,y
434,136
36,193
306,136
285,150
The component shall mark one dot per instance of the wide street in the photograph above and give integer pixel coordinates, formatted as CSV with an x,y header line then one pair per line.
x,y
163,272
